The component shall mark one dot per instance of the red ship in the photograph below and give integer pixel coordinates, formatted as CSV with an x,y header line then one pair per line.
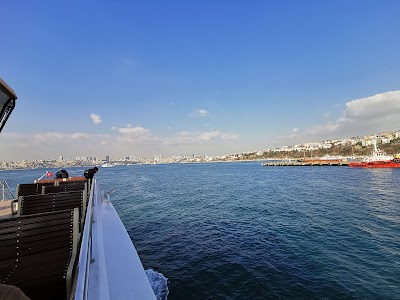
x,y
377,159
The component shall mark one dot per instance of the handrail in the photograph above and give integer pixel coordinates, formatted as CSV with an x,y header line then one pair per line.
x,y
85,255
4,186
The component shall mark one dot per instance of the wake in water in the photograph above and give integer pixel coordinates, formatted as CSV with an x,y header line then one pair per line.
x,y
159,283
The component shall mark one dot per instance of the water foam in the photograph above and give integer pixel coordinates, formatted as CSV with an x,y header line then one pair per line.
x,y
159,283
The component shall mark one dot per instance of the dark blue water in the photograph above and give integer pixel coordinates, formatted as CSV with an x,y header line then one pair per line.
x,y
242,231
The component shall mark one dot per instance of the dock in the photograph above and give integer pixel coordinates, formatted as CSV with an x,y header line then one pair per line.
x,y
306,164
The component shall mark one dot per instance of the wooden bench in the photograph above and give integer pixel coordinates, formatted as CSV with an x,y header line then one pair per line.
x,y
26,189
65,187
37,253
35,204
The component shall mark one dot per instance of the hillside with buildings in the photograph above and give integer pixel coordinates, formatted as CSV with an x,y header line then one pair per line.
x,y
354,147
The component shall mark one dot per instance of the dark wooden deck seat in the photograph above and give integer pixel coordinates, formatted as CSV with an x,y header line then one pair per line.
x,y
73,185
37,253
65,187
35,204
26,189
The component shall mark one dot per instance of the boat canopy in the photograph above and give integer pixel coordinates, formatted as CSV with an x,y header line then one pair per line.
x,y
7,102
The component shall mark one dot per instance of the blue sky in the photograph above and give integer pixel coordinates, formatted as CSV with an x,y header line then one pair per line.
x,y
184,77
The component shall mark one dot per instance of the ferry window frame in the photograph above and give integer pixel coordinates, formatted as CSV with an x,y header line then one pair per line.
x,y
7,102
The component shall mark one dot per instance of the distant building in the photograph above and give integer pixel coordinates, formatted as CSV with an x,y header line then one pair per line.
x,y
107,159
60,158
366,143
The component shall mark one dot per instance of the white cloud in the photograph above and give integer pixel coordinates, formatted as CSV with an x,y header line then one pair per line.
x,y
50,145
95,118
210,135
372,114
184,133
79,136
229,136
294,133
59,137
130,134
199,113
138,131
198,137
377,106
203,113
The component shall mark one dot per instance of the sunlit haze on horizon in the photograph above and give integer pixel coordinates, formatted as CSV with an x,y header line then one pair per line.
x,y
97,78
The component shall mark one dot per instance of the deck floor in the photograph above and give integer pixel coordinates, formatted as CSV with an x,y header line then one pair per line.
x,y
5,208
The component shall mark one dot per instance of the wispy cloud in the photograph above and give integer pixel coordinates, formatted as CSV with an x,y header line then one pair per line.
x,y
199,113
131,134
199,137
95,118
229,136
50,144
210,135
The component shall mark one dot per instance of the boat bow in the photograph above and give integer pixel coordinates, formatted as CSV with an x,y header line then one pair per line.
x,y
109,266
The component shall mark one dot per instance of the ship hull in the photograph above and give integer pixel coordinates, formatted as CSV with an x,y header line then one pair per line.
x,y
375,164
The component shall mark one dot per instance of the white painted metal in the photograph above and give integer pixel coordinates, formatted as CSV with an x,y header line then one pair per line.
x,y
109,266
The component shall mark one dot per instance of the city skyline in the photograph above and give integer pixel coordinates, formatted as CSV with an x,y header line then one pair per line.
x,y
365,141
215,78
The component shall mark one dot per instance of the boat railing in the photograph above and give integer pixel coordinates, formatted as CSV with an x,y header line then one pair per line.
x,y
6,193
85,256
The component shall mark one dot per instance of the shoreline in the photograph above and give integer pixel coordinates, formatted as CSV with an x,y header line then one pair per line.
x,y
182,162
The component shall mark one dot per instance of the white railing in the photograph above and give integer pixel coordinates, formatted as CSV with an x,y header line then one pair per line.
x,y
85,256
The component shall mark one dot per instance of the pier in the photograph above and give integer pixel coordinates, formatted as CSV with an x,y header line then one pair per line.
x,y
305,164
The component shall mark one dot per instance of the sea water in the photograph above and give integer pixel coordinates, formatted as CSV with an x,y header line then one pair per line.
x,y
243,231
